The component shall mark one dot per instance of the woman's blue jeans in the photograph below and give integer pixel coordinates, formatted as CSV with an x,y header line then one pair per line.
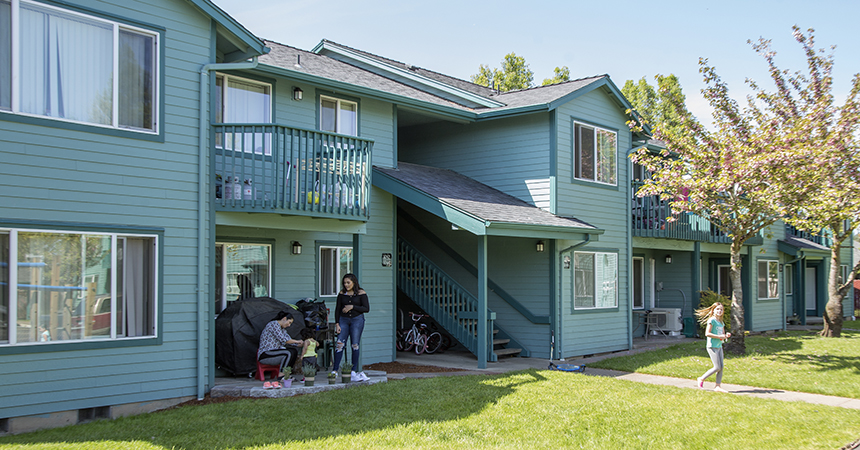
x,y
350,327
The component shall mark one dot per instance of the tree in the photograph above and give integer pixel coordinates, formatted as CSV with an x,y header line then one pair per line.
x,y
562,74
826,139
655,106
513,75
725,176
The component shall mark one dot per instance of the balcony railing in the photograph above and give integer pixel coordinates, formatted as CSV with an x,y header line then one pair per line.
x,y
650,219
823,240
285,170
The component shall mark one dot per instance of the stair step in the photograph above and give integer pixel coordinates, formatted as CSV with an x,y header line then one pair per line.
x,y
507,351
500,341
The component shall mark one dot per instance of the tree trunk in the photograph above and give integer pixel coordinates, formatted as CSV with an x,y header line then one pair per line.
x,y
833,310
736,344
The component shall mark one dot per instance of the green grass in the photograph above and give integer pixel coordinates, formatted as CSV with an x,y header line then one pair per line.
x,y
791,360
530,409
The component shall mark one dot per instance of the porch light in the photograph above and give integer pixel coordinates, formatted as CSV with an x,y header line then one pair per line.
x,y
539,246
297,248
297,94
668,259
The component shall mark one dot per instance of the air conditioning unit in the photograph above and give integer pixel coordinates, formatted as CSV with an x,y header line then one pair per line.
x,y
668,319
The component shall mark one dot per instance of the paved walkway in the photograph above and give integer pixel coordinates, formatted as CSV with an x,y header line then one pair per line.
x,y
467,362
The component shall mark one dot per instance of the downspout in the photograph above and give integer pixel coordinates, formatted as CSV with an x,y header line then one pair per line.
x,y
201,211
558,333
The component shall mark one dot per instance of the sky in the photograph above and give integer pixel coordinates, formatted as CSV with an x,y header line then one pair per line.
x,y
625,39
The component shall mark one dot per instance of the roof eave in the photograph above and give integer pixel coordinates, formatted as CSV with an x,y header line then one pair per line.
x,y
255,46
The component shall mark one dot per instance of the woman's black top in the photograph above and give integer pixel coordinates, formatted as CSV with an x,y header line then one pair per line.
x,y
359,302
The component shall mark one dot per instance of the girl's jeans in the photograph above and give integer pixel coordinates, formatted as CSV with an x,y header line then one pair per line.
x,y
350,327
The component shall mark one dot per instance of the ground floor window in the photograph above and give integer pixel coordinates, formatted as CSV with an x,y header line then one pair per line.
x,y
72,286
334,263
595,280
768,280
242,270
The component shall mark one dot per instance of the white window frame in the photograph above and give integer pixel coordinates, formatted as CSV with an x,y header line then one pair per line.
x,y
595,154
788,279
843,273
641,276
117,26
223,274
338,109
768,280
596,294
264,139
336,272
117,240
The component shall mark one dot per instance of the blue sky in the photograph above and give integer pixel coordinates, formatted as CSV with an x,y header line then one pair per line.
x,y
624,39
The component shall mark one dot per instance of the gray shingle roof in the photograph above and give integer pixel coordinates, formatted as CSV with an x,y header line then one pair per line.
x,y
804,244
475,198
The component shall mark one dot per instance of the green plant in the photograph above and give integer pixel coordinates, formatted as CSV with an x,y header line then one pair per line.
x,y
332,375
346,368
707,299
309,371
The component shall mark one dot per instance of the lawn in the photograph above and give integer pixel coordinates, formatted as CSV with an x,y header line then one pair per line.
x,y
790,360
529,409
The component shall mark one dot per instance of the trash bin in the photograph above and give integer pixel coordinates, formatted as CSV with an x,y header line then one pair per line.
x,y
689,327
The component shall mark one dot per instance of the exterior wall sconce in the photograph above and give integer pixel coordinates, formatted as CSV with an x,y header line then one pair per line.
x,y
297,94
539,246
668,259
566,261
297,248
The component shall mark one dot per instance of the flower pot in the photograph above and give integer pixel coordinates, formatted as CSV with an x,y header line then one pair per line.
x,y
346,378
288,382
332,380
309,381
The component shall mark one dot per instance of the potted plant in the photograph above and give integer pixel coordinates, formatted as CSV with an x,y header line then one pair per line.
x,y
346,372
332,377
309,372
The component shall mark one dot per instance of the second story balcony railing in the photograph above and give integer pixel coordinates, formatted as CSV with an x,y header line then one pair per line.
x,y
650,217
285,170
822,239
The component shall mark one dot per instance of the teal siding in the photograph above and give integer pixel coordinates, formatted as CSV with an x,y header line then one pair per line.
x,y
594,331
60,175
504,153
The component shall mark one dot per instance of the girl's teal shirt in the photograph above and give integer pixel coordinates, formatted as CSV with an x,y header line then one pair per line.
x,y
716,328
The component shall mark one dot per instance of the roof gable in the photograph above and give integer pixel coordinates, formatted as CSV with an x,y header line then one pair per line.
x,y
231,34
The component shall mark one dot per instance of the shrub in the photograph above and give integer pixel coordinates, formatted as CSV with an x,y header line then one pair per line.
x,y
708,298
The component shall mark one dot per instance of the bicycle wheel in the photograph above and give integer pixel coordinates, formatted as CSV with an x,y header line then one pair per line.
x,y
434,342
399,340
420,344
408,341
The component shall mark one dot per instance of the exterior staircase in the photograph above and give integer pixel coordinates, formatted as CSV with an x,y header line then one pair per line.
x,y
453,307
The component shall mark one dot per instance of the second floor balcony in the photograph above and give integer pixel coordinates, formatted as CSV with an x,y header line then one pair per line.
x,y
651,215
270,168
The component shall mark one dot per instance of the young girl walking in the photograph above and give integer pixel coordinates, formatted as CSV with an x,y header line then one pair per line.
x,y
715,335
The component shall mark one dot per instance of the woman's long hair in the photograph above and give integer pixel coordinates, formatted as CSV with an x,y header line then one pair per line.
x,y
355,286
704,314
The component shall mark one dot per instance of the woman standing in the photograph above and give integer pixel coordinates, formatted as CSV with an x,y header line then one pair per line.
x,y
273,343
712,318
349,312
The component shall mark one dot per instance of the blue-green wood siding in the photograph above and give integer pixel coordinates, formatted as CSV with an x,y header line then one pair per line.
x,y
56,174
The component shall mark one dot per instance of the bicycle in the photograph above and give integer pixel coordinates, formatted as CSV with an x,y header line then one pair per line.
x,y
418,338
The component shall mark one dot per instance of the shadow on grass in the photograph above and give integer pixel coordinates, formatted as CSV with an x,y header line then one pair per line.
x,y
261,422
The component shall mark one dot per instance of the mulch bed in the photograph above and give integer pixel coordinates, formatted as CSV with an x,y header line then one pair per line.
x,y
396,367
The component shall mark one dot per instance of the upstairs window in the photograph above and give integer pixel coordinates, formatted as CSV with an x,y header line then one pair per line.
x,y
338,116
238,101
595,154
77,68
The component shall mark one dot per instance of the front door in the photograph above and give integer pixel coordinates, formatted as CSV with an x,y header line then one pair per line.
x,y
811,290
724,280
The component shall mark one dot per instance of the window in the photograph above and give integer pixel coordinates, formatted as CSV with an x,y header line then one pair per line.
x,y
338,116
843,273
240,100
242,270
594,154
74,286
724,280
335,262
77,68
789,279
768,280
638,283
595,280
